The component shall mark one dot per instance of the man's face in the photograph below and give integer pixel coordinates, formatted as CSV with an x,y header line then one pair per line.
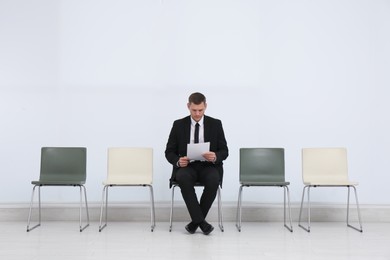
x,y
197,111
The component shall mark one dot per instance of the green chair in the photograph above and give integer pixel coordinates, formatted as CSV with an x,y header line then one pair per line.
x,y
61,166
262,167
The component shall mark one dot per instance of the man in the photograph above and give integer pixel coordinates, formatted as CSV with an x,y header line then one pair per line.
x,y
187,172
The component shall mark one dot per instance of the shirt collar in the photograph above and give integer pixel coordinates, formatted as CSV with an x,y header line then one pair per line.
x,y
193,122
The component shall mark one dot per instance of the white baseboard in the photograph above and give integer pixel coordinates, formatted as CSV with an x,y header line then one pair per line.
x,y
141,212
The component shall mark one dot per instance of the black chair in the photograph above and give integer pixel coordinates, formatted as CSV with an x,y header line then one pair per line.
x,y
174,184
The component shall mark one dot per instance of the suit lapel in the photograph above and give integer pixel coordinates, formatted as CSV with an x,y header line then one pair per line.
x,y
206,129
187,130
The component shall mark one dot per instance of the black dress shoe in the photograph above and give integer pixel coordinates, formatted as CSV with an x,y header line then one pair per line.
x,y
191,227
206,227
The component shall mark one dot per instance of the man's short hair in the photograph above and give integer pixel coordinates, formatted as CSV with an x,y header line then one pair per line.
x,y
197,98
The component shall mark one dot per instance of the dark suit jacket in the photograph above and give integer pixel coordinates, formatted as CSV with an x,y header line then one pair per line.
x,y
180,137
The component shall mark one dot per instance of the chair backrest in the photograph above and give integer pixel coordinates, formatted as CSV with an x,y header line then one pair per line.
x,y
324,165
63,164
127,165
262,165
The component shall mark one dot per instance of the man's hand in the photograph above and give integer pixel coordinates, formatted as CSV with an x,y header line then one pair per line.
x,y
210,156
183,161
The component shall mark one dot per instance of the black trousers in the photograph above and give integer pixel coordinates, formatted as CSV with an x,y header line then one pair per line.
x,y
205,173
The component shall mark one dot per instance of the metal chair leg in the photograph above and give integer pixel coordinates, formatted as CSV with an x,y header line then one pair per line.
x,y
358,211
103,208
39,209
171,215
220,216
82,187
152,211
239,209
287,192
308,208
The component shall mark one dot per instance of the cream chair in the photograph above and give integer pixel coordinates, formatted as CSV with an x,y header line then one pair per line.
x,y
128,167
326,167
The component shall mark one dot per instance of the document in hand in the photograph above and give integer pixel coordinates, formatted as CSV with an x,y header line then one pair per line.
x,y
195,151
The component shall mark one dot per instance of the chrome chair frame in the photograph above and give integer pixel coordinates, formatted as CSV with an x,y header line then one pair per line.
x,y
286,192
220,217
82,189
104,205
308,187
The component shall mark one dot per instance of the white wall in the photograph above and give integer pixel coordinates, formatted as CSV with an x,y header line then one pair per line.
x,y
105,73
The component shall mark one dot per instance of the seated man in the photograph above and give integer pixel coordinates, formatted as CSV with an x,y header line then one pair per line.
x,y
197,128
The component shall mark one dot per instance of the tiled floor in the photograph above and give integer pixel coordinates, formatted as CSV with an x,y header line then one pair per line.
x,y
133,240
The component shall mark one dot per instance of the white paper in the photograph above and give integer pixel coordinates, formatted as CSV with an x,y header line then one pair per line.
x,y
195,151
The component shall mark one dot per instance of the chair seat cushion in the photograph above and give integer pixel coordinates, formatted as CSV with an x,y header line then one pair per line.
x,y
58,183
331,183
124,183
252,183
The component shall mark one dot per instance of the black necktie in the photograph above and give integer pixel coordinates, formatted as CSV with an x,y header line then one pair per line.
x,y
196,137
